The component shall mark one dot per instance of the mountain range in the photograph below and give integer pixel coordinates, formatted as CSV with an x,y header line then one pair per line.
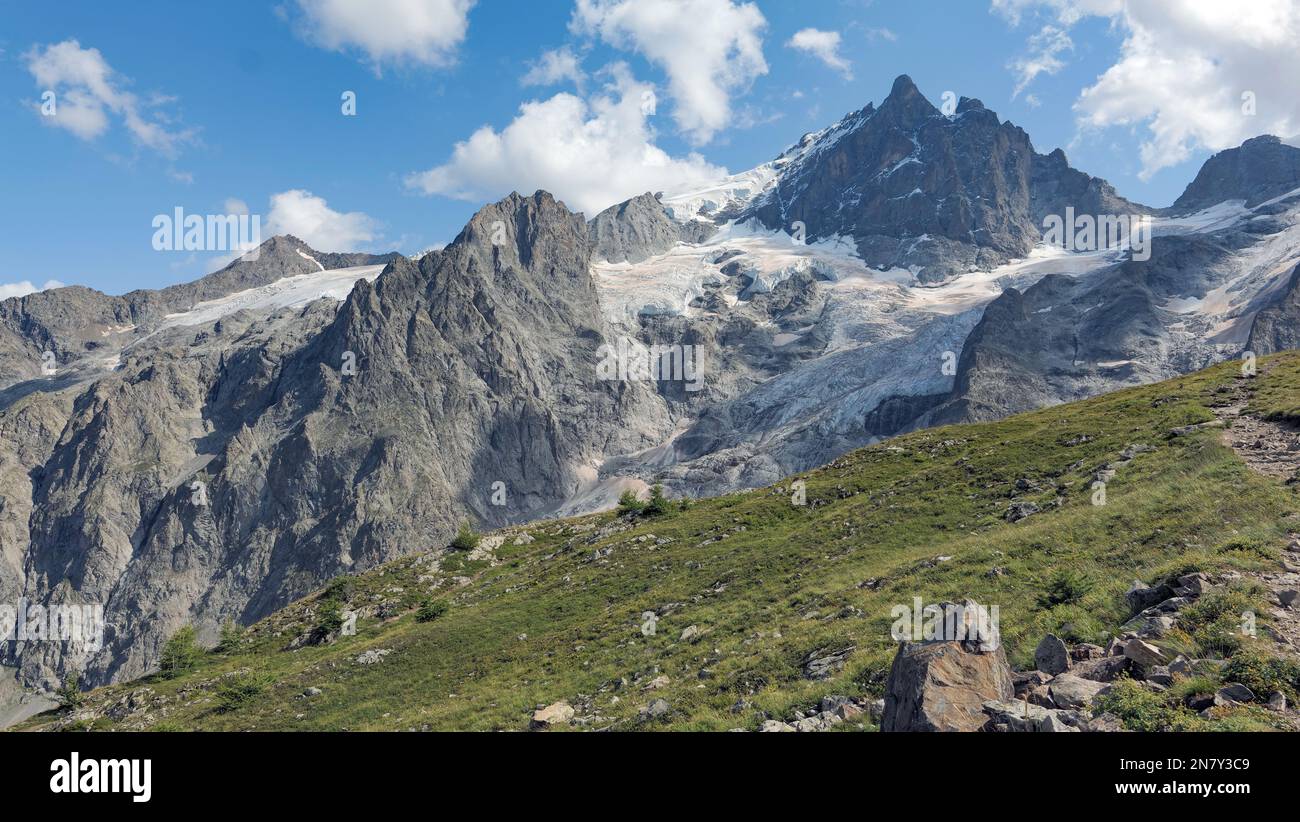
x,y
215,450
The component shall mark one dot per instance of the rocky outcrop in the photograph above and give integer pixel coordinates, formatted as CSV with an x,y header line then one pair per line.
x,y
635,230
1259,169
78,324
1277,326
942,685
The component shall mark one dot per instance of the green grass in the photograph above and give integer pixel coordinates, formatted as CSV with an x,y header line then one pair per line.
x,y
767,582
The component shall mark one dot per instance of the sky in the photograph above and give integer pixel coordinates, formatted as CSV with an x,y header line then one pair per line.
x,y
239,106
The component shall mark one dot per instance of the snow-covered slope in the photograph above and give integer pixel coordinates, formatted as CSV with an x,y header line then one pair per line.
x,y
286,293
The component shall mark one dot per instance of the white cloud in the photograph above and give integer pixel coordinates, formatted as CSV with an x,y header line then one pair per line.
x,y
87,90
882,33
710,50
1068,12
425,32
825,46
25,287
590,153
1183,69
1045,49
310,219
554,67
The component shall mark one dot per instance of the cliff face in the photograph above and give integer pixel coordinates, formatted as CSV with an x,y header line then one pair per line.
x,y
941,195
1258,170
324,440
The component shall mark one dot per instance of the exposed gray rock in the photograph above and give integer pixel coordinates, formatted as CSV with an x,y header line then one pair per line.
x,y
943,194
820,664
1052,657
633,231
1105,669
773,726
474,365
1144,654
1259,169
1073,692
1234,692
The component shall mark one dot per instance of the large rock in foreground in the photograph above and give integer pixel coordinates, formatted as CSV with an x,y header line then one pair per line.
x,y
942,686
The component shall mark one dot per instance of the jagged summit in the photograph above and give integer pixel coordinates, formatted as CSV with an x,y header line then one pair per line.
x,y
915,189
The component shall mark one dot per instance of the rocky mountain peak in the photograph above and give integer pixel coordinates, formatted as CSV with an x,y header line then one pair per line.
x,y
634,230
536,233
938,195
1259,169
906,106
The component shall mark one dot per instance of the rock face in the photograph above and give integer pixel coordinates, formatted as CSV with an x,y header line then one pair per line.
x,y
1277,326
78,322
1259,169
635,230
916,188
941,686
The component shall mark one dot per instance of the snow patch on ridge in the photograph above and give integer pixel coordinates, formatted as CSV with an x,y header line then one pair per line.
x,y
284,293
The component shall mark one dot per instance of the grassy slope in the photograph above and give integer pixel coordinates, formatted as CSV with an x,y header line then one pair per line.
x,y
768,582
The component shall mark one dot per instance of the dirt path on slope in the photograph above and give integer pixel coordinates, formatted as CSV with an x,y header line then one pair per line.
x,y
1273,449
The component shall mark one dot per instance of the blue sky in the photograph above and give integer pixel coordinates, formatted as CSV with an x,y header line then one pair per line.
x,y
206,104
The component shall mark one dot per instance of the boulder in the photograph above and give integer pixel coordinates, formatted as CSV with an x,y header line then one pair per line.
x,y
1141,596
1287,597
1104,723
1277,701
1025,681
1234,693
1160,675
1023,717
832,702
771,726
1053,723
557,713
1051,656
1020,510
1086,651
822,663
1106,669
942,686
1073,692
1144,654
1156,627
1192,585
